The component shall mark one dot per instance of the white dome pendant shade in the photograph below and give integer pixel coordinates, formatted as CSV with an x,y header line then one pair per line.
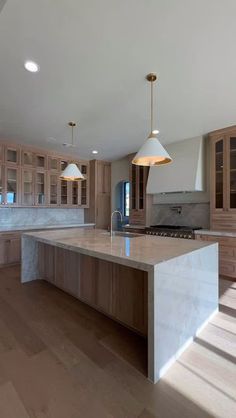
x,y
72,171
152,152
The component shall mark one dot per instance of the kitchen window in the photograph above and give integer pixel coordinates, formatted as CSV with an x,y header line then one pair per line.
x,y
126,198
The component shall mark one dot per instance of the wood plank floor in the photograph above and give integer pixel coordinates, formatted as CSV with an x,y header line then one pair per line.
x,y
61,359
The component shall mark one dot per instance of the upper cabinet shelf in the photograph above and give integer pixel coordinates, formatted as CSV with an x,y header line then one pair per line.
x,y
31,178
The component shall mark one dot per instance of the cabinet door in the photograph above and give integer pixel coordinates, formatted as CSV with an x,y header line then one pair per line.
x,y
103,177
231,173
40,188
40,161
27,194
75,193
64,192
104,286
46,262
3,251
11,185
130,297
53,164
27,158
12,155
88,273
103,214
2,189
218,178
54,182
14,250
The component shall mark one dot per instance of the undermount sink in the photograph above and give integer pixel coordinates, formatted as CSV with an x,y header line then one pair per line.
x,y
122,234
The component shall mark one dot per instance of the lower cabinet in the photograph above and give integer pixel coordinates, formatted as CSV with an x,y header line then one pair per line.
x,y
10,249
227,253
118,291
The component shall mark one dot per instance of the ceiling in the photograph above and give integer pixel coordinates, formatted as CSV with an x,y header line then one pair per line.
x,y
94,56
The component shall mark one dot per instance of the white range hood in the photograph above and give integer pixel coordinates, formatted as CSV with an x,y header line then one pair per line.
x,y
184,174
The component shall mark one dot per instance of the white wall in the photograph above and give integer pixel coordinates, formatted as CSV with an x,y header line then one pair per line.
x,y
119,172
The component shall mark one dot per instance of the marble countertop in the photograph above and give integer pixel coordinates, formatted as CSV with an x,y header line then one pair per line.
x,y
212,232
36,227
142,252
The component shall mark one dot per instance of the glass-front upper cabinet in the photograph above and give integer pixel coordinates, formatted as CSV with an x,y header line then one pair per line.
x,y
64,186
53,164
1,186
12,155
75,193
53,189
219,160
12,185
40,161
27,158
40,188
27,196
232,172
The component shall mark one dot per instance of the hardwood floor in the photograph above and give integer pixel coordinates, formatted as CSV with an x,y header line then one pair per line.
x,y
61,359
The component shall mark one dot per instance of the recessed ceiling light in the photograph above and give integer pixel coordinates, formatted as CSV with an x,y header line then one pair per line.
x,y
94,152
31,66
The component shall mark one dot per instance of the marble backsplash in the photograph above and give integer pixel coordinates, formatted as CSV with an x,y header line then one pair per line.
x,y
192,214
40,216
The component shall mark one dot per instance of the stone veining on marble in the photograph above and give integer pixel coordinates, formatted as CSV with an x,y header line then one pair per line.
x,y
193,214
40,216
141,252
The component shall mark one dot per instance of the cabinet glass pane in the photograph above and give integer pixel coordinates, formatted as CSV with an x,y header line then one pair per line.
x,y
1,185
84,169
64,164
133,188
141,187
64,191
40,188
53,189
40,161
27,158
12,155
28,194
75,189
53,164
233,172
84,192
219,174
11,174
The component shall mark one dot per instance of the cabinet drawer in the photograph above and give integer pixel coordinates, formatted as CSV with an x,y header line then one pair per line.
x,y
228,268
227,252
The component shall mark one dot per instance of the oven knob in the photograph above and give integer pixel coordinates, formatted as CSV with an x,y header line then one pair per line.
x,y
185,236
190,236
176,235
180,236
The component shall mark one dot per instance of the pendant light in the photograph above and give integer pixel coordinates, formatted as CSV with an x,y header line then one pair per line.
x,y
152,152
72,171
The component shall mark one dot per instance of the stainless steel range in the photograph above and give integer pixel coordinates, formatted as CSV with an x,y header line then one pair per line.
x,y
175,231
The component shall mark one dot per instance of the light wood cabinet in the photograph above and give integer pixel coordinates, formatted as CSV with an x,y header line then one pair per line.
x,y
118,291
227,253
10,249
46,255
223,179
140,202
99,211
29,177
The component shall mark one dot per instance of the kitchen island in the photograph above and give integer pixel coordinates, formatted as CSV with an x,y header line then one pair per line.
x,y
166,289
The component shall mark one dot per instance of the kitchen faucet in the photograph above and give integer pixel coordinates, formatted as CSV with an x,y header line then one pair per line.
x,y
121,217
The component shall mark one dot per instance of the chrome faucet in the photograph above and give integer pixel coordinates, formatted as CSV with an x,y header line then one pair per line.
x,y
121,217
